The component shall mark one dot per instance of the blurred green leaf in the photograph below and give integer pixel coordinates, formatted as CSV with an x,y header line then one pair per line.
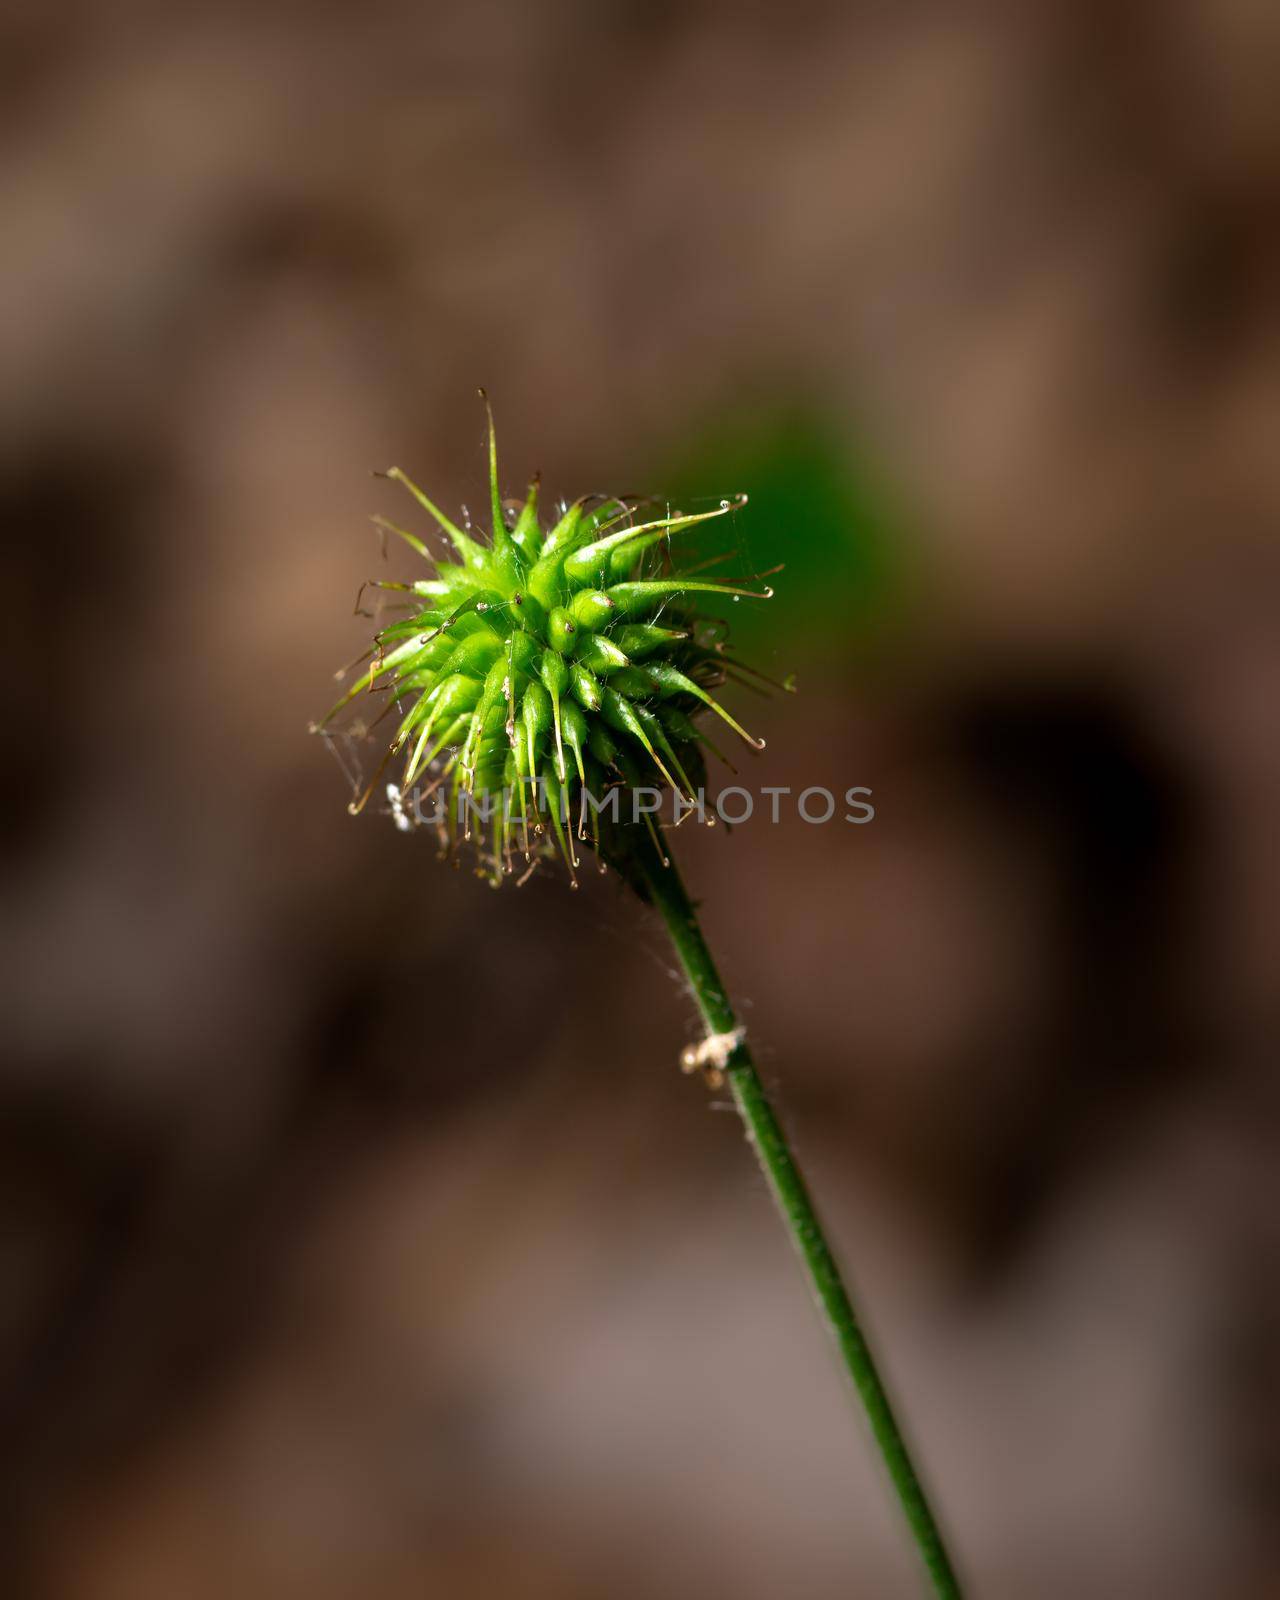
x,y
818,507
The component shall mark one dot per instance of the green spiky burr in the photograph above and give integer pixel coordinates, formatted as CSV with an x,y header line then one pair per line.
x,y
545,666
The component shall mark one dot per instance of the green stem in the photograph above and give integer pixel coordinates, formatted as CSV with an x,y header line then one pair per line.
x,y
791,1195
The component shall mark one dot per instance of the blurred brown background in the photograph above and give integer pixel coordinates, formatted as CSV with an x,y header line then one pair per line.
x,y
358,1234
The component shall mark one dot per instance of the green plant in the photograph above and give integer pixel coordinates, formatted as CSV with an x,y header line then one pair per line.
x,y
543,668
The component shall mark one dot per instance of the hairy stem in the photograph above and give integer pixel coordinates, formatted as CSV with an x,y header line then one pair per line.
x,y
764,1132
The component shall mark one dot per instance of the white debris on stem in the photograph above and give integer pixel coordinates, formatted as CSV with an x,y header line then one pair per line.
x,y
710,1056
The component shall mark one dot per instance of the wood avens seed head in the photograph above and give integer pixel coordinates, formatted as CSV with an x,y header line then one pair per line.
x,y
544,668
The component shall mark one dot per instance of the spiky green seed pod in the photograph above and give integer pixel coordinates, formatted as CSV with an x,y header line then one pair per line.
x,y
544,667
